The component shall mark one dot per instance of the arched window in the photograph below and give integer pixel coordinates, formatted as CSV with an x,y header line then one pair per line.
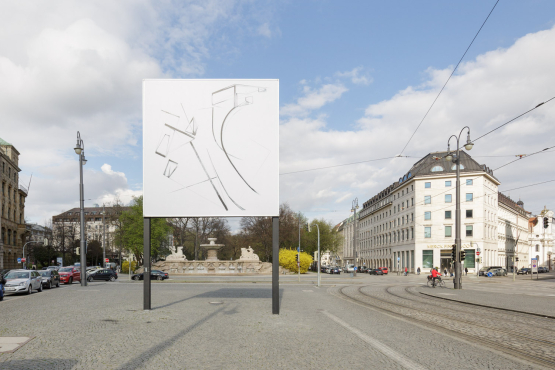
x,y
437,169
454,167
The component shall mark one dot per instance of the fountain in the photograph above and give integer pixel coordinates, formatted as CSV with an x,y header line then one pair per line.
x,y
248,263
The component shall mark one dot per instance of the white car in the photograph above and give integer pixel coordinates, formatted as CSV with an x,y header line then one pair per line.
x,y
350,268
23,281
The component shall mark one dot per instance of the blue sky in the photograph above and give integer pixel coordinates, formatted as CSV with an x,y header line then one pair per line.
x,y
356,77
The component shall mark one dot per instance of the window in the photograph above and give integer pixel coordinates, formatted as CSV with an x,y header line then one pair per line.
x,y
447,215
447,231
427,185
469,197
427,199
412,201
427,215
437,169
427,259
469,261
537,247
468,230
427,231
469,182
468,213
448,198
447,184
412,216
454,167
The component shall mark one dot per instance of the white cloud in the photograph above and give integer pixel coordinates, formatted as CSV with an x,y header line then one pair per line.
x,y
356,77
265,30
313,99
487,91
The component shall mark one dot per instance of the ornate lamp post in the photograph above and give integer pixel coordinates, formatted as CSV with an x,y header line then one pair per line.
x,y
457,160
80,151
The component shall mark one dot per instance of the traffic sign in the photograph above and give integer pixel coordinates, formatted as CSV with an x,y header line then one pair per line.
x,y
478,253
19,260
23,259
398,258
107,260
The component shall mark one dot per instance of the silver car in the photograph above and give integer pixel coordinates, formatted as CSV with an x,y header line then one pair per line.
x,y
23,281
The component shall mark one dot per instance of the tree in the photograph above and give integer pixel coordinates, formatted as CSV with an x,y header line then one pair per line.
x,y
94,252
329,238
132,230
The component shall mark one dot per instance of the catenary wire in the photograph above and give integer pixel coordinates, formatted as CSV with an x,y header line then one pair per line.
x,y
451,75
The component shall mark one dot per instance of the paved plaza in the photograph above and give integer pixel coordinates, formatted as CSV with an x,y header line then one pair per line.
x,y
356,323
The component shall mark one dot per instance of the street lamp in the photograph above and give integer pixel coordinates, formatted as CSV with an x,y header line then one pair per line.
x,y
457,160
80,151
103,236
354,208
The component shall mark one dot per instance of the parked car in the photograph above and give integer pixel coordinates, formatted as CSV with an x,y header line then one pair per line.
x,y
350,268
363,269
154,275
324,269
53,268
542,270
484,270
498,272
523,271
23,281
375,272
4,272
340,268
50,278
335,270
103,274
69,274
385,270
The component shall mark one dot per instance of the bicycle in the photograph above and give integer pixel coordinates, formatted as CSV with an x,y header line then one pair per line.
x,y
439,282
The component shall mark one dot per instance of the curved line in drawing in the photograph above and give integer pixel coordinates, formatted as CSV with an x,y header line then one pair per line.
x,y
229,159
208,176
221,183
214,136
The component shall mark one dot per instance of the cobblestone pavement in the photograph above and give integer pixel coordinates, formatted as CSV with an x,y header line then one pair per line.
x,y
215,326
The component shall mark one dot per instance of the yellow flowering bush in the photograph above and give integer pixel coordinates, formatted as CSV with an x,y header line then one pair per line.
x,y
125,267
288,260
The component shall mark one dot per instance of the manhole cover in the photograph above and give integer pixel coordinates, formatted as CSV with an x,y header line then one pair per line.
x,y
12,344
216,302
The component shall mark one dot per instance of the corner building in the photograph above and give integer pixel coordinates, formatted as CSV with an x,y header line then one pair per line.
x,y
411,223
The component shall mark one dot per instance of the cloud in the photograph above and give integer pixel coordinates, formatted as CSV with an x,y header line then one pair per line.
x,y
313,99
486,92
355,76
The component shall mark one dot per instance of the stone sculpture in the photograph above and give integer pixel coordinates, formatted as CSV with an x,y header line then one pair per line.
x,y
248,255
176,256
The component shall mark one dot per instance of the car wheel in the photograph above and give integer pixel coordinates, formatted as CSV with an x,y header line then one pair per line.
x,y
58,284
90,279
30,290
70,281
50,285
135,278
112,279
159,277
40,287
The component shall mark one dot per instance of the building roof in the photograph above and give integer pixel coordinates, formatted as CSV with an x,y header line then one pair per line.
x,y
433,164
503,199
90,210
4,142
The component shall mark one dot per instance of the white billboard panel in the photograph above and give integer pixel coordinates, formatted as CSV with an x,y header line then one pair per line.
x,y
210,148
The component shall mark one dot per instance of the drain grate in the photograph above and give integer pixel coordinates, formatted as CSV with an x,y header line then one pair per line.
x,y
12,344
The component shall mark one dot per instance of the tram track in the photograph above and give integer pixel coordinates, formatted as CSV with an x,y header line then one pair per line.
x,y
513,343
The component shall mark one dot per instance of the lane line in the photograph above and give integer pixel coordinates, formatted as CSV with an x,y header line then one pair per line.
x,y
386,350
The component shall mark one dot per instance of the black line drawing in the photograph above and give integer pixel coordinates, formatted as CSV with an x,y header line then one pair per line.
x,y
179,133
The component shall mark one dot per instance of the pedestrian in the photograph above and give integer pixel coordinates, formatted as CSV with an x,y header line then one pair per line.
x,y
445,271
406,271
451,271
418,271
466,271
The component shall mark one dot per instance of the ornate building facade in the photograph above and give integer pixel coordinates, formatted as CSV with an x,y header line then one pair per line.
x,y
12,203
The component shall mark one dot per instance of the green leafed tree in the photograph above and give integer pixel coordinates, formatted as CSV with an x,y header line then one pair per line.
x,y
132,231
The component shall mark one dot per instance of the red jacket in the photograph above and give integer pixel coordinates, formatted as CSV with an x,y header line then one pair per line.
x,y
435,273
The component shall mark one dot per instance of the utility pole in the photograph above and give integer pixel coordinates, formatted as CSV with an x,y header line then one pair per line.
x,y
103,236
354,209
299,249
80,151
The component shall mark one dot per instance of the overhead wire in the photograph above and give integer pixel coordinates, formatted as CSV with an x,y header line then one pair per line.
x,y
451,75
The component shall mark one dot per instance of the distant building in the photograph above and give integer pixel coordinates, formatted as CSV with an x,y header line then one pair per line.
x,y
38,233
541,239
66,229
12,201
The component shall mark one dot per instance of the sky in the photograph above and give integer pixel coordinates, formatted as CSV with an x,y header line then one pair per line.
x,y
356,78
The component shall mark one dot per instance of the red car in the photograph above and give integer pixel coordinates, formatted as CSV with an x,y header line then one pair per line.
x,y
384,269
69,274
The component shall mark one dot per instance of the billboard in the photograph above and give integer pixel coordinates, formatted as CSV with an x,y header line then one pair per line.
x,y
210,148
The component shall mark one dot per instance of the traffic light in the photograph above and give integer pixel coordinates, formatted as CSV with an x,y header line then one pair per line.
x,y
517,259
454,252
463,255
545,222
77,250
307,227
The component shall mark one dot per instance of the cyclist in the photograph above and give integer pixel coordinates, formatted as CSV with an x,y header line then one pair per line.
x,y
435,275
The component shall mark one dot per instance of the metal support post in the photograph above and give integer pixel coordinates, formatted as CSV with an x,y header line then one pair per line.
x,y
103,236
458,280
299,250
82,225
275,265
146,265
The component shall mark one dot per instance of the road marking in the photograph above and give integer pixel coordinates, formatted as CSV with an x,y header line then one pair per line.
x,y
386,350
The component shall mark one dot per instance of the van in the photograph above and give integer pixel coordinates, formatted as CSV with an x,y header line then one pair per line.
x,y
350,268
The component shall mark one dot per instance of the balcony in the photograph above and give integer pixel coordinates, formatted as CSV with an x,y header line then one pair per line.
x,y
23,189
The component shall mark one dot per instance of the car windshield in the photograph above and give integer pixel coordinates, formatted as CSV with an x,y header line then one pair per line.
x,y
66,269
18,275
44,273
